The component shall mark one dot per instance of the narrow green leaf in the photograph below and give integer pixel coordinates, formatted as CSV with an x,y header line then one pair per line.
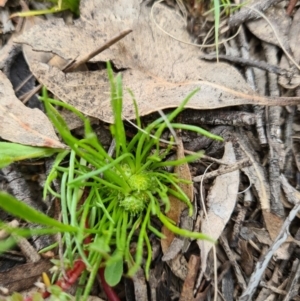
x,y
12,152
196,129
21,210
7,244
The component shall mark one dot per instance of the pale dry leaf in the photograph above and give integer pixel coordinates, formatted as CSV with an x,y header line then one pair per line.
x,y
262,235
2,3
292,82
294,36
29,54
281,23
177,206
159,70
21,124
221,201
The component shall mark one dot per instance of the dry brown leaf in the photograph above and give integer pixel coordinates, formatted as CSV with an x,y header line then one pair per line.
x,y
15,279
177,206
273,223
159,70
21,124
187,293
221,201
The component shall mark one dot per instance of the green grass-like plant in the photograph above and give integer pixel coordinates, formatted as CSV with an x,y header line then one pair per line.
x,y
108,202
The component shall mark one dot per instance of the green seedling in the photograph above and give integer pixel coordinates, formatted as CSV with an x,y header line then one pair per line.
x,y
219,8
109,202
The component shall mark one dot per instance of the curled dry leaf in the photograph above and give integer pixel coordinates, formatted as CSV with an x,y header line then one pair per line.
x,y
281,22
159,69
21,124
221,201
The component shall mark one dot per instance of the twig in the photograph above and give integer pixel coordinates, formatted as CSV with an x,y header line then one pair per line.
x,y
70,66
231,257
272,288
208,158
218,117
291,7
273,130
293,285
245,14
224,170
248,62
95,52
263,263
242,210
27,249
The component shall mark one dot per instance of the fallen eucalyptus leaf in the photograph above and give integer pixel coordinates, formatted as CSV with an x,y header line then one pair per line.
x,y
21,124
159,69
221,201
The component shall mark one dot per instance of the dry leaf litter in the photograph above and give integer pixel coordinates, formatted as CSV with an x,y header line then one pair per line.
x,y
245,190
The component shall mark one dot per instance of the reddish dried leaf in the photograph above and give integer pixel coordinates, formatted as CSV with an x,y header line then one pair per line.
x,y
187,293
273,223
177,206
